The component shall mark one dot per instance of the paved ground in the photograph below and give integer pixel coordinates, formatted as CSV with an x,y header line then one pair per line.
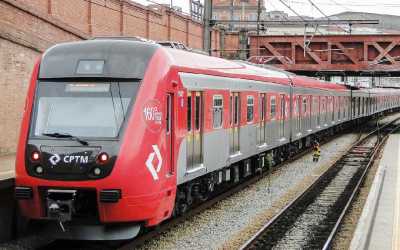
x,y
379,224
7,166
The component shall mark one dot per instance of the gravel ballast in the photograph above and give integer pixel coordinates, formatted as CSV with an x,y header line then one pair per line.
x,y
229,223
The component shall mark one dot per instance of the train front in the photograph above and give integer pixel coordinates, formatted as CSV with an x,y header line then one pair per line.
x,y
80,170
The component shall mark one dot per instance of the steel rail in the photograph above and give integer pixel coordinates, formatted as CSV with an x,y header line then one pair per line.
x,y
335,229
223,194
293,203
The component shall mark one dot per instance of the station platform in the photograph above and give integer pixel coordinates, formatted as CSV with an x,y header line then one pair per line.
x,y
7,173
379,224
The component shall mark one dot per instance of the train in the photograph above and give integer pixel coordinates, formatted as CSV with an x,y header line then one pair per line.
x,y
120,135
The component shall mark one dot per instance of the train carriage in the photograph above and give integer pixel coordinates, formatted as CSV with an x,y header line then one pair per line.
x,y
118,134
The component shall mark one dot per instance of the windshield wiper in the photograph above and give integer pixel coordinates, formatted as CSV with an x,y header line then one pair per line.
x,y
65,135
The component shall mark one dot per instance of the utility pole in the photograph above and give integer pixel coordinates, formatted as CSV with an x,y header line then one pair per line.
x,y
258,25
258,17
231,8
207,26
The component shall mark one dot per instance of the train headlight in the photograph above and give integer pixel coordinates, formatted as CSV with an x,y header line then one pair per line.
x,y
97,171
39,169
103,158
35,156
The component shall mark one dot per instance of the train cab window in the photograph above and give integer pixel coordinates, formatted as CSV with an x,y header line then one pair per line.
x,y
86,109
273,107
250,108
217,111
189,113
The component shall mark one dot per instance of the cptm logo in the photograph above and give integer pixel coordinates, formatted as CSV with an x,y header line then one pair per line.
x,y
149,162
54,159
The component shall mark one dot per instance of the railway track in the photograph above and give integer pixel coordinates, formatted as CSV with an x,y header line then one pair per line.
x,y
140,240
313,218
154,232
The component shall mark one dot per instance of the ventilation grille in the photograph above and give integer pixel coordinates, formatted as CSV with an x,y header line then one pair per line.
x,y
110,196
23,193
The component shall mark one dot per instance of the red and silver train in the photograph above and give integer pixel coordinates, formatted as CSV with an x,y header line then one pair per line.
x,y
118,134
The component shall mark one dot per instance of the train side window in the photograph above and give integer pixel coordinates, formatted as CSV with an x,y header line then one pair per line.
x,y
217,111
231,108
197,116
273,107
189,113
250,108
262,107
304,111
168,113
236,113
298,110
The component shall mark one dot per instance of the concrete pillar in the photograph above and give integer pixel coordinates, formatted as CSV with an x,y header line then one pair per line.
x,y
207,26
222,42
243,37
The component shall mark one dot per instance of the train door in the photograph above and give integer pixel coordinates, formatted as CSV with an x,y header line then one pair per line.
x,y
235,121
333,108
310,110
195,129
169,132
304,113
283,116
322,110
261,127
298,111
317,111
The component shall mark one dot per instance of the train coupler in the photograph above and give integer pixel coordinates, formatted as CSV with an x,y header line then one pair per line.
x,y
60,205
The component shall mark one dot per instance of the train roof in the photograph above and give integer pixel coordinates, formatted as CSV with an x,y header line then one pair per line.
x,y
118,54
198,63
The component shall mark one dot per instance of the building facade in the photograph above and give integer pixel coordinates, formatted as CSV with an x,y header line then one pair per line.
x,y
237,10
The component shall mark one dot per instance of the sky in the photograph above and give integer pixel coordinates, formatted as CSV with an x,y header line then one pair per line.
x,y
304,7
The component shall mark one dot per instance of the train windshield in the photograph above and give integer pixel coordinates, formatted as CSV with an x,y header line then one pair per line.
x,y
82,109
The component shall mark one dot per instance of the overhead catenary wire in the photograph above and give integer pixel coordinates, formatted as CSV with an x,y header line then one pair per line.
x,y
297,14
320,11
307,42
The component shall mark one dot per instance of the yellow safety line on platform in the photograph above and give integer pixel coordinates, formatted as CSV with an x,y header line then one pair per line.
x,y
396,222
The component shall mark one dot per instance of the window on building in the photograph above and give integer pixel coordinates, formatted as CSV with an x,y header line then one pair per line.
x,y
250,108
217,111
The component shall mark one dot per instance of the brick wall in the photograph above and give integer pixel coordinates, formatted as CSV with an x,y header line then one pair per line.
x,y
29,27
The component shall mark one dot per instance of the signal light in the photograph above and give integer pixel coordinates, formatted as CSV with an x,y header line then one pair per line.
x,y
103,158
35,156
